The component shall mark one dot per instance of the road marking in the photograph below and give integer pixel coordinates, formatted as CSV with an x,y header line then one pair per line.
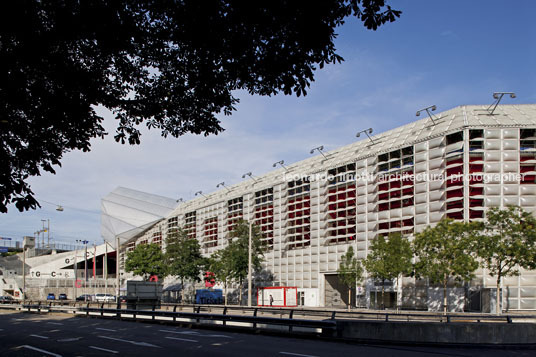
x,y
195,333
181,332
55,323
39,336
223,336
295,354
39,350
103,349
70,339
105,329
181,339
133,342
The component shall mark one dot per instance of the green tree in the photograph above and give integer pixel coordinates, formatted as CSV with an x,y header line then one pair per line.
x,y
350,272
238,250
506,243
389,259
171,65
220,264
146,260
445,252
183,258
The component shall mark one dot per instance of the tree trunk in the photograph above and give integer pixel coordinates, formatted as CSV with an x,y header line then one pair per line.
x,y
383,293
182,290
349,298
225,293
398,288
240,292
445,301
498,309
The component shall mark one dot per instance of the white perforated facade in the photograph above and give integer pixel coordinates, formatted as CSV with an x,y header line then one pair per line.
x,y
405,179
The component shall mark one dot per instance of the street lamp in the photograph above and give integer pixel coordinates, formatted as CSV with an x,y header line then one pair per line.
x,y
249,263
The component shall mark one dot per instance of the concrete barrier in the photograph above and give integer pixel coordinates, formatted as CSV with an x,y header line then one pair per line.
x,y
438,333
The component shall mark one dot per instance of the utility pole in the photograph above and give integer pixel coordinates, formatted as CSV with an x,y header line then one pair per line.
x,y
117,280
48,233
105,267
24,273
43,230
249,263
75,273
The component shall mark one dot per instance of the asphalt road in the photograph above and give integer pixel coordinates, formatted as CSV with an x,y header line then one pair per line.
x,y
24,334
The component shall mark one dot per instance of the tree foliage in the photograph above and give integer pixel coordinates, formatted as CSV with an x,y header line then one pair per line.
x,y
231,263
506,243
183,258
238,247
170,65
445,252
146,260
350,272
389,258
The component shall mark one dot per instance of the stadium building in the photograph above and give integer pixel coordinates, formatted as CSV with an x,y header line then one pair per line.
x,y
453,164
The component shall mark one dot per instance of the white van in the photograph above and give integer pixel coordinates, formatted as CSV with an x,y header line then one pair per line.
x,y
104,297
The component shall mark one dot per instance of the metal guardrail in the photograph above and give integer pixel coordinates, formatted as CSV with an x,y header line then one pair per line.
x,y
292,317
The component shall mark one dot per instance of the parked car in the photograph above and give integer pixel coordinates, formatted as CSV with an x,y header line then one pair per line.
x,y
104,297
84,297
62,297
6,299
51,296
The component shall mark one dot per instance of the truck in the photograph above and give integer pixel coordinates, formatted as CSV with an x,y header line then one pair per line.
x,y
143,294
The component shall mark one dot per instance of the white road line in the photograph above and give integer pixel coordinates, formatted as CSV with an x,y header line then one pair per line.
x,y
128,341
181,332
295,354
103,349
105,329
194,333
39,350
55,323
70,339
222,336
39,336
181,339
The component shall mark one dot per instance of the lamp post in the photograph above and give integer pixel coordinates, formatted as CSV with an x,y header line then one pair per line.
x,y
117,279
84,242
249,263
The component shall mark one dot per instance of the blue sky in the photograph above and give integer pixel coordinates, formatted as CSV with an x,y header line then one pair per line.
x,y
446,53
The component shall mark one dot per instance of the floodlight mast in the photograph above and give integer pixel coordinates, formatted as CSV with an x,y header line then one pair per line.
x,y
429,111
498,96
367,132
222,184
319,149
200,193
250,176
280,163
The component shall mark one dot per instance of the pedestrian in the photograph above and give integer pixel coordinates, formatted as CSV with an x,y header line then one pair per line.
x,y
271,300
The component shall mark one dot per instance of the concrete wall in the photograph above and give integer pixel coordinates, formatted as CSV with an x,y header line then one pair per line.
x,y
433,333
